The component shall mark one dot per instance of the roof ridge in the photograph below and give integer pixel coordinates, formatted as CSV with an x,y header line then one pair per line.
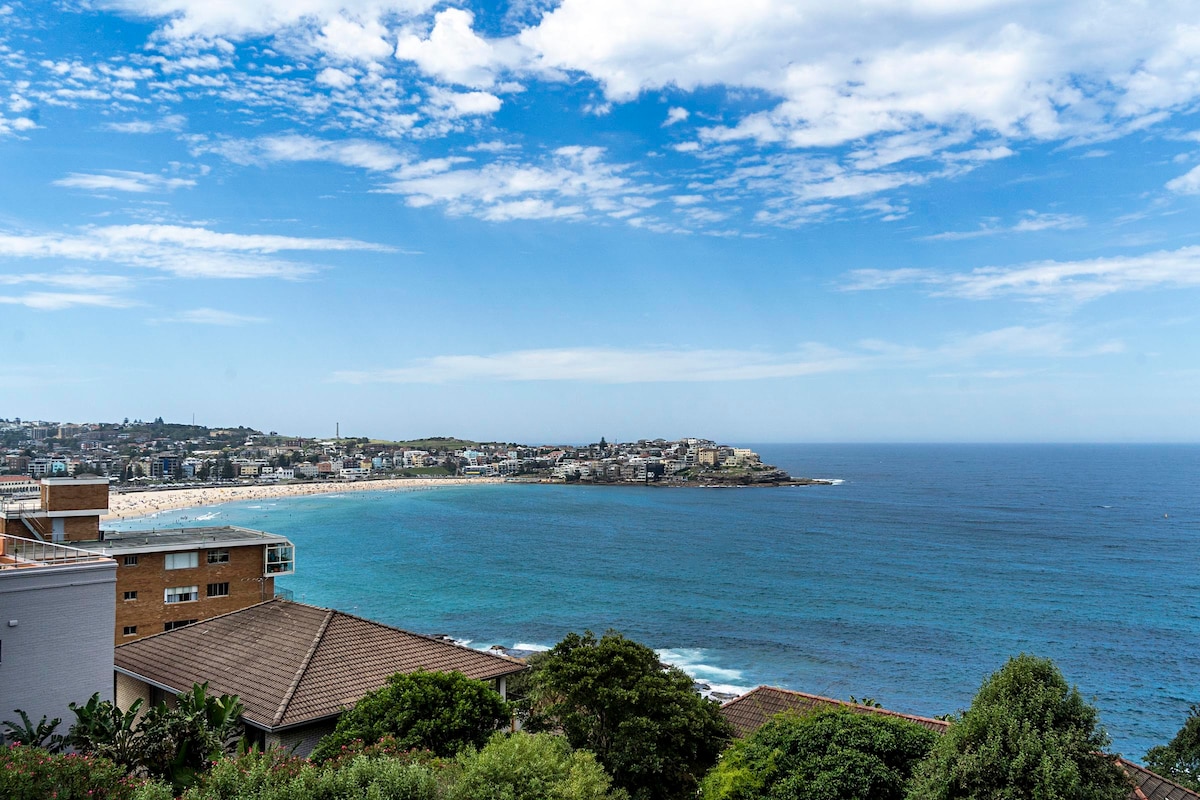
x,y
312,649
377,623
834,700
202,622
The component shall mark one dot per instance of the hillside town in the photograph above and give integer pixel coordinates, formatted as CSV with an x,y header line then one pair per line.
x,y
158,453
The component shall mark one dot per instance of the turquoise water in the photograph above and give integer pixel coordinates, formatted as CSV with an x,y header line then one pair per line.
x,y
908,582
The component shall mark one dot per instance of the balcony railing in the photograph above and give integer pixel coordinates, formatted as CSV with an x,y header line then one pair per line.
x,y
17,553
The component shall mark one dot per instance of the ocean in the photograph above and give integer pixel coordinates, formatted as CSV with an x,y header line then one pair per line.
x,y
909,581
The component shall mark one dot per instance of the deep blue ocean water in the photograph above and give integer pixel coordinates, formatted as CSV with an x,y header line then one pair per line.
x,y
909,582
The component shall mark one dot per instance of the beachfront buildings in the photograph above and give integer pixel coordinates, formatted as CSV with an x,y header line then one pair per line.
x,y
295,667
56,611
165,578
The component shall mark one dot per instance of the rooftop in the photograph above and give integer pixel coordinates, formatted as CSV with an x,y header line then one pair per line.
x,y
292,663
19,553
751,711
176,539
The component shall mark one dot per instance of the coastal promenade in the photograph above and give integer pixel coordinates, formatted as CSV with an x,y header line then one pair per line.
x,y
124,505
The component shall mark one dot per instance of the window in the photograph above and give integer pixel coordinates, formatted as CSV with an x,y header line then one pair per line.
x,y
281,560
131,595
131,561
179,623
129,630
218,590
181,594
218,556
182,560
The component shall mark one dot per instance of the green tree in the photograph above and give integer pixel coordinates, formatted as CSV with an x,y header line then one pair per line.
x,y
644,721
103,729
826,754
443,712
527,766
1179,759
1027,734
178,742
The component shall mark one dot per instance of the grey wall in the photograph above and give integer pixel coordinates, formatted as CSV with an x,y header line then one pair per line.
x,y
61,648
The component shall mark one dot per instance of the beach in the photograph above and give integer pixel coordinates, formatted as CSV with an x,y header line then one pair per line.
x,y
126,505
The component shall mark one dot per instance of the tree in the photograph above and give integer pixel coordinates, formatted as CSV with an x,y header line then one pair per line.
x,y
644,721
443,712
527,766
1179,759
1027,734
825,754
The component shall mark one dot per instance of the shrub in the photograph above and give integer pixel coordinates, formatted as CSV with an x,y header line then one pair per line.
x,y
530,767
31,773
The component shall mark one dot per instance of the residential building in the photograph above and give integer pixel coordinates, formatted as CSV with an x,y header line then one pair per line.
x,y
708,457
56,610
295,667
19,484
170,578
67,510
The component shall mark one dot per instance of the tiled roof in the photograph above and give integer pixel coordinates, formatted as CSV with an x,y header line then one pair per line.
x,y
291,663
1148,786
750,712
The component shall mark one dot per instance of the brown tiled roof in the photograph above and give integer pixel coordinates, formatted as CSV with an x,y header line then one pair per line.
x,y
1148,786
291,663
750,712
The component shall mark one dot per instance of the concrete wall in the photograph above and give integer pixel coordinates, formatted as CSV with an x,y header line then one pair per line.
x,y
60,650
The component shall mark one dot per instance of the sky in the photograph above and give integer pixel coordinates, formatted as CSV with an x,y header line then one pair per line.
x,y
761,221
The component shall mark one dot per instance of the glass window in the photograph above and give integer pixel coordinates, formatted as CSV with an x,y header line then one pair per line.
x,y
218,590
181,560
218,556
179,623
129,630
281,559
131,595
131,561
181,594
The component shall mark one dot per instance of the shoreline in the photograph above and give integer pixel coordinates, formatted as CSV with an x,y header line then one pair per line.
x,y
143,503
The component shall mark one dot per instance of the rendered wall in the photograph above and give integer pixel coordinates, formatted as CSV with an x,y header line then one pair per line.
x,y
60,650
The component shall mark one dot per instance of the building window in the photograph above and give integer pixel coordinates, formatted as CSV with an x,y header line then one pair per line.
x,y
131,561
129,630
218,590
182,560
179,623
131,595
181,594
218,556
281,559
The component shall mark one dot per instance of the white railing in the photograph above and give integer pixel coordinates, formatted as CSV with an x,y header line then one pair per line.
x,y
16,552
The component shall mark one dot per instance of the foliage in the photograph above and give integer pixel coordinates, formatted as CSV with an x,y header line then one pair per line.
x,y
439,711
277,775
1027,734
32,773
178,742
645,722
103,729
40,735
1179,759
831,753
530,767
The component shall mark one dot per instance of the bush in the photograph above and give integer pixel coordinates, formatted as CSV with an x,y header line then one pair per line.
x,y
443,712
1179,759
31,773
826,754
530,767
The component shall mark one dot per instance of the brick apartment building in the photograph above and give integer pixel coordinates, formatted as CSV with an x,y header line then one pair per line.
x,y
164,579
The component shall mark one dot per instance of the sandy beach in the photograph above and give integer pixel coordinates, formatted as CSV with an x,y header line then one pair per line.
x,y
124,505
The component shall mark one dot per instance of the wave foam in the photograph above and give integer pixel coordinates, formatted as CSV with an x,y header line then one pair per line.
x,y
691,661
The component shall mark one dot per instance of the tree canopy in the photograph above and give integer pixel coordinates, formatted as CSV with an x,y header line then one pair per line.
x,y
1027,734
1179,759
821,755
644,721
527,766
443,712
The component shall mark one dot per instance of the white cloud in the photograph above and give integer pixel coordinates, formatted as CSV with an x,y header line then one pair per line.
x,y
58,301
338,79
1076,281
212,316
462,104
1030,222
123,181
351,40
674,115
170,122
454,53
1188,183
361,153
190,252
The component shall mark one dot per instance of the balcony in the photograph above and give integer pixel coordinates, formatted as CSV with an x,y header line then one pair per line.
x,y
18,553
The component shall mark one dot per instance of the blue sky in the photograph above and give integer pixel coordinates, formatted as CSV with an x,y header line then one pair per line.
x,y
876,220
